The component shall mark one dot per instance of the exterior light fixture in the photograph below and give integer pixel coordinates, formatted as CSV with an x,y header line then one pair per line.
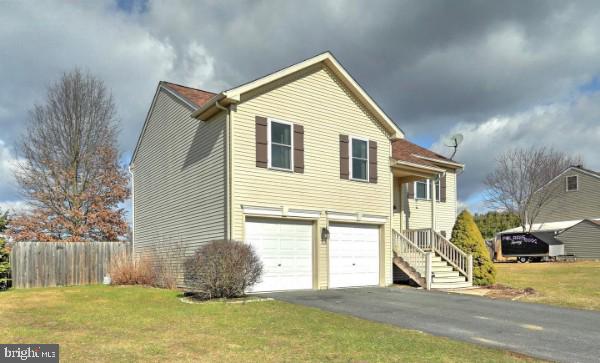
x,y
324,235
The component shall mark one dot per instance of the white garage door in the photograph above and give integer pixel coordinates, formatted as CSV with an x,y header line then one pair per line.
x,y
285,249
353,255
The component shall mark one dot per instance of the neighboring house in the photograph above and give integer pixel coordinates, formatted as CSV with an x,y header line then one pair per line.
x,y
572,212
576,196
582,240
303,165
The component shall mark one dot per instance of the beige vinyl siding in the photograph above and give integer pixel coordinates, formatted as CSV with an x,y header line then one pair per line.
x,y
582,240
417,212
179,181
315,99
580,204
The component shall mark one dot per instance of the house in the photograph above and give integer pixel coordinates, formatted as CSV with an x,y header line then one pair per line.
x,y
582,240
576,196
572,212
306,167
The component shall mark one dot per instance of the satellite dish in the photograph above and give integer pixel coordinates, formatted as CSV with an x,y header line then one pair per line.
x,y
453,142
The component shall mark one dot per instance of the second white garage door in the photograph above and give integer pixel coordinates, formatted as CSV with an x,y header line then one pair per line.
x,y
353,255
285,249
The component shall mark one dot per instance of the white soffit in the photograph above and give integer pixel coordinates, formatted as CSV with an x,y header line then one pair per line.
x,y
280,212
355,217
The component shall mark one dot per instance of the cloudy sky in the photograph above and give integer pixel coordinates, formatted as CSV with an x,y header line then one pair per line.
x,y
503,73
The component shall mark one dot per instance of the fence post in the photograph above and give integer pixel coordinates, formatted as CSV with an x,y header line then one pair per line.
x,y
470,268
428,270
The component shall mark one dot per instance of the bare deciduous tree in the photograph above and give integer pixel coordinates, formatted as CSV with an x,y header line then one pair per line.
x,y
71,174
519,183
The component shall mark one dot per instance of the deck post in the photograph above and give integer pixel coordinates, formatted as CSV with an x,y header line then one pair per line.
x,y
470,269
428,277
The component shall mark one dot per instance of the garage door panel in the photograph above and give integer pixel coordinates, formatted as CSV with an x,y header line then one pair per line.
x,y
285,248
353,255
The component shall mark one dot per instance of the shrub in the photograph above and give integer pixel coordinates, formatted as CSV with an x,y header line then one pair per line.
x,y
467,237
125,270
4,254
4,265
164,271
223,269
155,267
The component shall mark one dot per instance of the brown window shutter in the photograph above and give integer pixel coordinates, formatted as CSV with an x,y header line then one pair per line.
x,y
410,187
344,159
372,161
443,188
262,160
298,148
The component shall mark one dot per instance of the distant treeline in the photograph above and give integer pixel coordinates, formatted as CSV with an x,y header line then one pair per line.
x,y
491,223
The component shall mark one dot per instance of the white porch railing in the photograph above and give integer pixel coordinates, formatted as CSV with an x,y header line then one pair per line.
x,y
428,239
420,237
414,256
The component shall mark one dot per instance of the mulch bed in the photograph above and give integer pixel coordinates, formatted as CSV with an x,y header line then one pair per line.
x,y
507,292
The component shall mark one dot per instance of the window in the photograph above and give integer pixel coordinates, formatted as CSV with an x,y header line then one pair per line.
x,y
423,189
359,162
438,191
280,145
572,183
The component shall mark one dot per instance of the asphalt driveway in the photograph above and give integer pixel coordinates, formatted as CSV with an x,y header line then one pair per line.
x,y
537,330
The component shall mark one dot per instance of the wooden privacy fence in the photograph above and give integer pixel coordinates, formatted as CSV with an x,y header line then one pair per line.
x,y
41,264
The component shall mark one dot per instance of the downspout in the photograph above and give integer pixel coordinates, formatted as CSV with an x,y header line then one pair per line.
x,y
132,212
227,168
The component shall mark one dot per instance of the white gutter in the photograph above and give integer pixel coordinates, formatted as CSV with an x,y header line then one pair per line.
x,y
444,162
396,162
227,167
213,101
130,169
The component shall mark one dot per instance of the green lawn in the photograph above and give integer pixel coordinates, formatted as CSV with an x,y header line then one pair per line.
x,y
569,284
98,323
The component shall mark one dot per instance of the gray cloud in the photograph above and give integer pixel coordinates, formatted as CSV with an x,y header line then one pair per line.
x,y
572,127
434,66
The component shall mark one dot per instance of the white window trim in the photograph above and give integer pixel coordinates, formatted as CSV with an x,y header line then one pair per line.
x,y
350,157
576,184
428,188
291,124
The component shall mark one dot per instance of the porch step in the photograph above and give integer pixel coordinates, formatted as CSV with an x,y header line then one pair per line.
x,y
445,268
448,279
452,285
435,258
446,273
440,263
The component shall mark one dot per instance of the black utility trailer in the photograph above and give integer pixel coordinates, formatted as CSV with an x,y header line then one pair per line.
x,y
533,246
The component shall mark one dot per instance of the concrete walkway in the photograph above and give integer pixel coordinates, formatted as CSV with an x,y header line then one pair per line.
x,y
537,330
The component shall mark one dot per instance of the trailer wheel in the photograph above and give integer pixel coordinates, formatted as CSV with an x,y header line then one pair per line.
x,y
522,259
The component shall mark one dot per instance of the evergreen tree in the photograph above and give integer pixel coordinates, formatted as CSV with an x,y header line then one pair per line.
x,y
468,238
4,261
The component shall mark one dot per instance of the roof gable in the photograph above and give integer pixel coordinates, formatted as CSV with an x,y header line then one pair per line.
x,y
575,168
191,97
234,95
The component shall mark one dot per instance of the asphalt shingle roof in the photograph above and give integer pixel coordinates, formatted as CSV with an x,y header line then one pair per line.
x,y
195,96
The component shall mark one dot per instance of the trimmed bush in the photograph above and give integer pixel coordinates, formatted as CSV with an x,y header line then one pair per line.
x,y
467,237
223,269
